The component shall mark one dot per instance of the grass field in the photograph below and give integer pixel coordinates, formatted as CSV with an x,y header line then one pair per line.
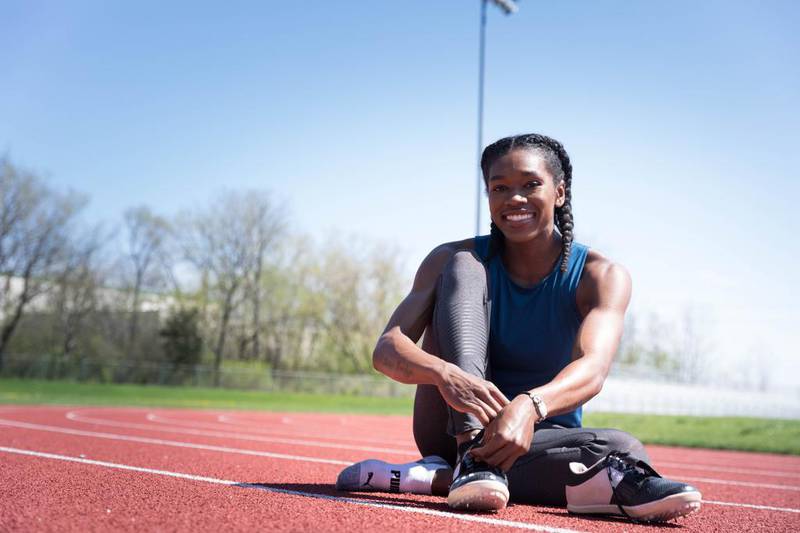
x,y
751,434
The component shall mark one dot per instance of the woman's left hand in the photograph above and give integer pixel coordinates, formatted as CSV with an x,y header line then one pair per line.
x,y
509,435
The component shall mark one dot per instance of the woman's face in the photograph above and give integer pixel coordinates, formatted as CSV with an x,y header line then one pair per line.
x,y
523,195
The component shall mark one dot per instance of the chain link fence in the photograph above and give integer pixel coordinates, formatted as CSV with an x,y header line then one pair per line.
x,y
245,377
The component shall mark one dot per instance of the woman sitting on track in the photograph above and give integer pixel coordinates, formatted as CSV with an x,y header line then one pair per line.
x,y
521,329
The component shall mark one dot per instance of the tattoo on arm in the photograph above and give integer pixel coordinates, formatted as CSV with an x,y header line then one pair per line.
x,y
395,364
403,368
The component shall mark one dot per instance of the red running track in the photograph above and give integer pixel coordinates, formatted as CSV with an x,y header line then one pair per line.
x,y
100,469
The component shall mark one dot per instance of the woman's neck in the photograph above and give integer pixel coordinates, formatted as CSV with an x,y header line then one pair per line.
x,y
529,262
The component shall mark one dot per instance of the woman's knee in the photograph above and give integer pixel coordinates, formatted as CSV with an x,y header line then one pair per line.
x,y
465,266
623,442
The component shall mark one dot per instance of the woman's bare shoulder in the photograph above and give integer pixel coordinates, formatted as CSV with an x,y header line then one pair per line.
x,y
598,265
602,280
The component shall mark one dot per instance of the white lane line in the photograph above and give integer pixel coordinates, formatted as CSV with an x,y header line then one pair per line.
x,y
161,442
737,483
327,497
730,470
145,440
152,417
226,419
155,418
76,417
752,506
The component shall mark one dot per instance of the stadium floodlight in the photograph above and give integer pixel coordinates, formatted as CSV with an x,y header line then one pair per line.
x,y
508,7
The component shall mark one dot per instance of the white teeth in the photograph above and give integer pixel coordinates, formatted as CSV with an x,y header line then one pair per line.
x,y
520,217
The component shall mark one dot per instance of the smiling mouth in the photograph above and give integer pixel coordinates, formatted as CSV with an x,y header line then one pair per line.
x,y
518,217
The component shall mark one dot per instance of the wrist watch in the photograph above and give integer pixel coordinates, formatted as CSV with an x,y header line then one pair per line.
x,y
539,406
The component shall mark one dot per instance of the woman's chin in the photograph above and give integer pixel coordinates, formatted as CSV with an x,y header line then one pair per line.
x,y
521,235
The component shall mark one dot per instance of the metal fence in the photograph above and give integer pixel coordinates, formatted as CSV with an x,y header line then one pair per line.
x,y
629,395
622,394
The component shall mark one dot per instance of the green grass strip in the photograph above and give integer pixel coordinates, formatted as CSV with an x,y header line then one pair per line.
x,y
723,432
18,391
733,433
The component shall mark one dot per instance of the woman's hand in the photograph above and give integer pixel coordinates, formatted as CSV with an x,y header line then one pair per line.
x,y
508,436
469,394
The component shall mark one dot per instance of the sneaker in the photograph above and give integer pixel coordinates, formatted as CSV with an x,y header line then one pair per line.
x,y
476,485
621,485
374,475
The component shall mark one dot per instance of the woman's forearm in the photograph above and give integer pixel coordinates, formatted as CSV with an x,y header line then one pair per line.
x,y
595,346
576,384
399,358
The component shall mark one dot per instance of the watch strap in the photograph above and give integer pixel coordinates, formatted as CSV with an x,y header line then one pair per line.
x,y
539,406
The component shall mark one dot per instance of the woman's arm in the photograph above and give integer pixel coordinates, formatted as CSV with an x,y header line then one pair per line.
x,y
398,356
603,296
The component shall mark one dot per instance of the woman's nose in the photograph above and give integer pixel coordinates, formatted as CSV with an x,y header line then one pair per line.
x,y
517,198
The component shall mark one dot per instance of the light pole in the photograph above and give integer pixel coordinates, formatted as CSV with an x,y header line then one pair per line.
x,y
508,7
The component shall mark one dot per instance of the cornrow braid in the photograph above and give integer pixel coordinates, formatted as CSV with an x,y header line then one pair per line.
x,y
558,163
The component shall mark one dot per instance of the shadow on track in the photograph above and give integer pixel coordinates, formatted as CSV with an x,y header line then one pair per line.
x,y
614,520
327,490
433,503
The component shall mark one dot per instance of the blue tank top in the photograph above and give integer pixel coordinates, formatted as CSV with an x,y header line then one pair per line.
x,y
532,329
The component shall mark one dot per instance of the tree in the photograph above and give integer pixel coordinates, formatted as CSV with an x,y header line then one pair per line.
x,y
146,236
293,315
360,284
75,294
265,225
181,338
227,242
35,224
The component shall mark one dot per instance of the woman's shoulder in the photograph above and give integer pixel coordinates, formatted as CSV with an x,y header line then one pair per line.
x,y
601,277
598,263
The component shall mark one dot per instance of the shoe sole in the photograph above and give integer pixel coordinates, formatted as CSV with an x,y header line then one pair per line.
x,y
484,495
661,510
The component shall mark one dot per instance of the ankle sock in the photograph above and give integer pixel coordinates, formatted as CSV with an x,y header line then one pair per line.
x,y
376,475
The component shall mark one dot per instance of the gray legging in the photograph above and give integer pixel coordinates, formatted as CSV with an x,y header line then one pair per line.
x,y
459,334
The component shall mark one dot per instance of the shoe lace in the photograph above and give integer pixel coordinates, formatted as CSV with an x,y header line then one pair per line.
x,y
471,464
626,465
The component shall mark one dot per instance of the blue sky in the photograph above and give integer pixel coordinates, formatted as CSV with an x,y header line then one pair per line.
x,y
681,119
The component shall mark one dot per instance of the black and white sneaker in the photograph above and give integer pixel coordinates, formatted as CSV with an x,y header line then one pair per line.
x,y
476,485
621,485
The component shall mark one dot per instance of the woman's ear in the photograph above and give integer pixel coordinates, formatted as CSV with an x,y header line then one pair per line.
x,y
561,194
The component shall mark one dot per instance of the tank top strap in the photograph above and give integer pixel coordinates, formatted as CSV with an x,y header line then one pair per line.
x,y
577,260
482,246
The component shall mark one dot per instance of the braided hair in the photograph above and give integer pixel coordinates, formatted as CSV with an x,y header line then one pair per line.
x,y
558,164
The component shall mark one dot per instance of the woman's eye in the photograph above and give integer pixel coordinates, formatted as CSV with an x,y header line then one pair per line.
x,y
532,184
498,188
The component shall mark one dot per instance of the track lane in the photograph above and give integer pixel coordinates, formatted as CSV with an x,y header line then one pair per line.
x,y
739,473
741,476
79,497
139,502
131,445
205,461
673,474
753,497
